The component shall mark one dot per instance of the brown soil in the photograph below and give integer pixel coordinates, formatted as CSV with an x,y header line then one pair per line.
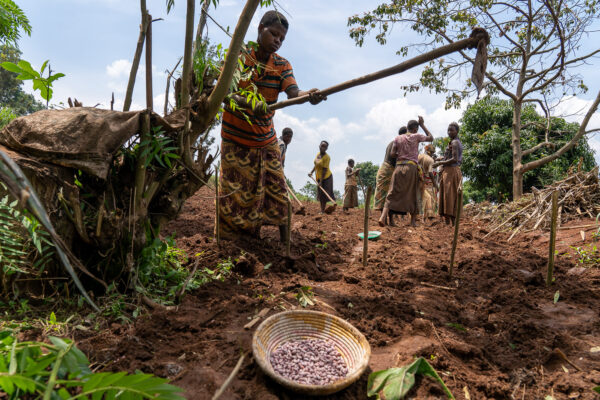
x,y
490,331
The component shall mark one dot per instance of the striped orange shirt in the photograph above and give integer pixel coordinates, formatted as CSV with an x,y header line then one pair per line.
x,y
270,79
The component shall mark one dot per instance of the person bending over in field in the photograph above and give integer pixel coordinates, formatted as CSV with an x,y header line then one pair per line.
x,y
451,175
384,177
351,187
323,175
402,196
252,180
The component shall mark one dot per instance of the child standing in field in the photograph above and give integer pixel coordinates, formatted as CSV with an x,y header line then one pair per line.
x,y
252,180
323,175
351,187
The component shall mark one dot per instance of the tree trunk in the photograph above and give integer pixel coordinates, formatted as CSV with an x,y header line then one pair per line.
x,y
517,151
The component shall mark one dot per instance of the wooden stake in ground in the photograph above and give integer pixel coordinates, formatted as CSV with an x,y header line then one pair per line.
x,y
217,207
552,243
366,230
288,232
229,379
459,202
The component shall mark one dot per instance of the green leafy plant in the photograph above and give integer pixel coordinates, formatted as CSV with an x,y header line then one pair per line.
x,y
158,148
588,255
12,20
6,115
556,296
41,83
305,296
596,389
162,274
26,246
395,383
60,370
456,326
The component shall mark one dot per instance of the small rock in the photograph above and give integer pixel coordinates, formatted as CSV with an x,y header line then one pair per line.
x,y
576,271
173,369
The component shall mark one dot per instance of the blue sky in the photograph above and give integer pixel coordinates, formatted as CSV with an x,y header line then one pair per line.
x,y
92,42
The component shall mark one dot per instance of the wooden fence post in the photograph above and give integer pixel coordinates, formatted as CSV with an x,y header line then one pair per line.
x,y
458,211
366,230
552,244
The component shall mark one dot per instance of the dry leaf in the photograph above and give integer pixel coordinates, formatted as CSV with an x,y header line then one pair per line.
x,y
467,395
582,233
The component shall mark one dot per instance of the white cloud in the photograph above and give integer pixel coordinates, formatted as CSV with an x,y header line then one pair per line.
x,y
118,69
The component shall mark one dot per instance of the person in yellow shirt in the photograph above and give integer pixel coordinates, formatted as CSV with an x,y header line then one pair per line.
x,y
323,175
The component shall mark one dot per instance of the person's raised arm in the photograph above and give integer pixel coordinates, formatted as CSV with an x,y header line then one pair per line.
x,y
427,133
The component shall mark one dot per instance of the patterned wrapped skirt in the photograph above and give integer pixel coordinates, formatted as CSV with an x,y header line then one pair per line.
x,y
251,189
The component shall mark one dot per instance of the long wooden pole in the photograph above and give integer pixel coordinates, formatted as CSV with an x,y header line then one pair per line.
x,y
366,230
552,244
186,73
149,95
458,211
288,233
217,207
384,73
137,56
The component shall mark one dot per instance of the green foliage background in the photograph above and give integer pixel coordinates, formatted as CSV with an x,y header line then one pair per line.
x,y
487,159
11,89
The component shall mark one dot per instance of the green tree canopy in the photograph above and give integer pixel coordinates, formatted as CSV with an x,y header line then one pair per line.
x,y
487,158
534,53
11,88
367,174
12,21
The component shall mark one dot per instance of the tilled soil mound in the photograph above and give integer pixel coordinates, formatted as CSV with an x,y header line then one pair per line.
x,y
491,331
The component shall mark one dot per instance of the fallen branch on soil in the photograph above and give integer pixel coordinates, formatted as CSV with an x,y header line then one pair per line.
x,y
565,359
578,196
431,285
258,316
229,379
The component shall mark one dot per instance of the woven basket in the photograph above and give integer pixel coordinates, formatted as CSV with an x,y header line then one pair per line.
x,y
295,325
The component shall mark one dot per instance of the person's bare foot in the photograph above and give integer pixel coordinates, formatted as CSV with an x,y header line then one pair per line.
x,y
392,223
381,222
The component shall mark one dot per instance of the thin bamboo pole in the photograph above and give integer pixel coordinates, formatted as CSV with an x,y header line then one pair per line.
x,y
288,233
552,244
457,213
218,207
366,230
137,56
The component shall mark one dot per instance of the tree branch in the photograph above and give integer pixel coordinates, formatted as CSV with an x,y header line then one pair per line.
x,y
222,87
568,146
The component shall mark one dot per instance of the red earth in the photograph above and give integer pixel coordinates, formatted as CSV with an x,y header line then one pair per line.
x,y
491,331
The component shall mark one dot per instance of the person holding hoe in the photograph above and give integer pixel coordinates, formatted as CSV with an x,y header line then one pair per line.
x,y
451,175
252,181
384,177
402,196
351,187
323,175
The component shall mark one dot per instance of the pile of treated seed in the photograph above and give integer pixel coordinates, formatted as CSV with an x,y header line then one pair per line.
x,y
309,361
